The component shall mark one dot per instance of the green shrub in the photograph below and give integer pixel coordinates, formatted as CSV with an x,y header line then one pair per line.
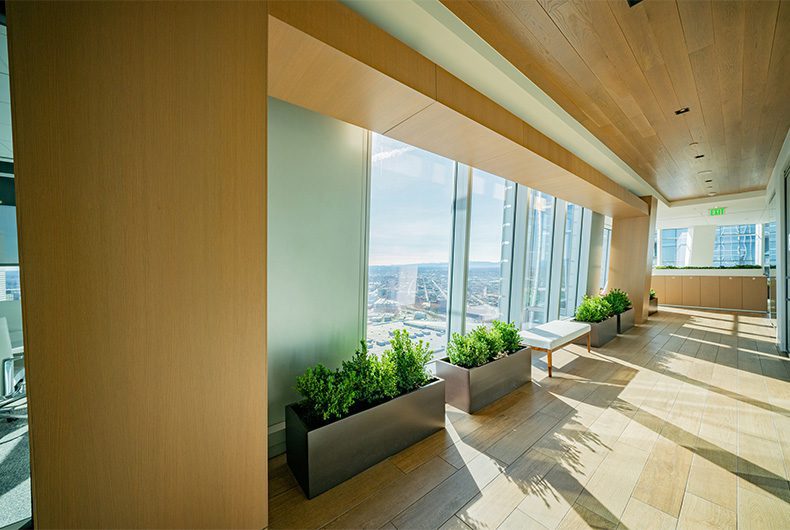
x,y
373,379
618,300
408,360
593,310
494,345
483,344
467,351
363,380
652,294
328,394
508,332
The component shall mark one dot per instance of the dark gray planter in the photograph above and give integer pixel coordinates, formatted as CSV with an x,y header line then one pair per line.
x,y
653,307
323,457
600,332
625,320
471,389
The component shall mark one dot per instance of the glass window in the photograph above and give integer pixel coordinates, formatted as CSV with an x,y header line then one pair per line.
x,y
411,197
540,227
674,247
569,279
607,244
486,292
734,245
769,244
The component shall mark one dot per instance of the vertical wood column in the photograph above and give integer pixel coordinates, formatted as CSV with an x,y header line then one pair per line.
x,y
631,257
139,143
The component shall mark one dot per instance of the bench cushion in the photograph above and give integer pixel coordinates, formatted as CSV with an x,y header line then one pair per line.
x,y
554,334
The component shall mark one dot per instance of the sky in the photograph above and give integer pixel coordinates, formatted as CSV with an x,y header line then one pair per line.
x,y
411,207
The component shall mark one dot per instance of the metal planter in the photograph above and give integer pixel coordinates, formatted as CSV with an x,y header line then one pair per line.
x,y
600,332
653,307
471,389
323,457
625,320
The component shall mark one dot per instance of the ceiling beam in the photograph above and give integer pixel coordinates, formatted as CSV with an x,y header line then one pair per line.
x,y
325,57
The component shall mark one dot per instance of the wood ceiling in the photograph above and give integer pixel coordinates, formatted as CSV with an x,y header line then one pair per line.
x,y
623,72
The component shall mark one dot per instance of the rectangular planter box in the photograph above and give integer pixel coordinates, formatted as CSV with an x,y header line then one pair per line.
x,y
471,389
600,333
324,457
653,308
625,320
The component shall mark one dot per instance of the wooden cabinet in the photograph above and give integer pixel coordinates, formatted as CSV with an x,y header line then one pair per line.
x,y
738,293
690,294
709,291
754,293
731,292
674,290
658,284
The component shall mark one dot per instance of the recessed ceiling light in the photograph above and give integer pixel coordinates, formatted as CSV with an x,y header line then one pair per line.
x,y
682,110
709,180
711,194
699,156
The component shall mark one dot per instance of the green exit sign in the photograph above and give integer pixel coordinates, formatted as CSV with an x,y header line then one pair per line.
x,y
716,211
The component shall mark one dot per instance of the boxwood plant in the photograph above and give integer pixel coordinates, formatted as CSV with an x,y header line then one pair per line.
x,y
652,294
618,300
483,345
593,309
365,380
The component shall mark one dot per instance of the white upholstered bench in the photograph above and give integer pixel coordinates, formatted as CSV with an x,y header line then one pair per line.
x,y
554,335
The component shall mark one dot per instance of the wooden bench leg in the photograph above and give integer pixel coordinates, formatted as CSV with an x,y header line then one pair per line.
x,y
588,341
549,359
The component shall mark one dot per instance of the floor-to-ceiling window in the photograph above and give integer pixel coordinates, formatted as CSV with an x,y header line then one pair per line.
x,y
735,245
537,277
489,250
675,247
569,279
411,195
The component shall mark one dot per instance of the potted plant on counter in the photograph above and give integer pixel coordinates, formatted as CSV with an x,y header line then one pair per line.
x,y
653,307
622,308
356,416
484,365
597,312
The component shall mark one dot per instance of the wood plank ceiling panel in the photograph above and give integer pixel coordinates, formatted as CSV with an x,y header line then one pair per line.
x,y
622,72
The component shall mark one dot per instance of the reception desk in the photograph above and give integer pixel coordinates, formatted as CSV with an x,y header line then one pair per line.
x,y
733,289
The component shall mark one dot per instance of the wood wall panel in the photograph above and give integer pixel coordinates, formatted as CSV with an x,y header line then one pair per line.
x,y
630,261
731,292
368,99
674,287
325,57
755,293
659,285
709,291
691,290
140,161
